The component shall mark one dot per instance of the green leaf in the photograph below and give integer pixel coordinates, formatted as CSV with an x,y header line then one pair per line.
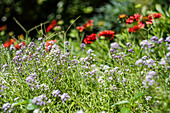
x,y
31,106
137,96
121,103
72,105
19,103
159,8
125,110
144,8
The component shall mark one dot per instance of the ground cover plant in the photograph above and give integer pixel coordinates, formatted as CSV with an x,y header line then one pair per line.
x,y
98,71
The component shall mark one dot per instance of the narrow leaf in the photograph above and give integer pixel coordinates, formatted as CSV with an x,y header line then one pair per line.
x,y
121,103
137,96
159,8
125,110
19,103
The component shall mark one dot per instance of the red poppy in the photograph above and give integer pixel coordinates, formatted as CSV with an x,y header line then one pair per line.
x,y
107,34
48,43
90,38
19,45
3,27
122,16
53,23
157,15
85,25
9,42
137,16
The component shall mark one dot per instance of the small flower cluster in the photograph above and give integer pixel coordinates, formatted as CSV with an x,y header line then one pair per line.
x,y
141,21
85,25
6,107
63,97
12,41
107,34
149,79
40,100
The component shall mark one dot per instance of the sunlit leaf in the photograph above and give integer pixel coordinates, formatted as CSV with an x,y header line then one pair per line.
x,y
121,103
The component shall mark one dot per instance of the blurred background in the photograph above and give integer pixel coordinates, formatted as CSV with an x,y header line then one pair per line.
x,y
104,12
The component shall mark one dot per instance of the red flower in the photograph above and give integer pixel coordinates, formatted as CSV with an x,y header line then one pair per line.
x,y
90,38
134,29
80,28
88,24
107,34
3,27
141,24
53,23
48,43
85,25
150,17
136,16
149,22
157,15
122,16
19,45
130,20
9,42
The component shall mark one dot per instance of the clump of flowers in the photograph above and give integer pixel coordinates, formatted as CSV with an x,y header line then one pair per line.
x,y
108,34
85,25
40,100
90,38
8,43
139,21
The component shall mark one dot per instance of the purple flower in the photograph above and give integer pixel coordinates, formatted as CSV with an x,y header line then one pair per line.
x,y
55,93
40,100
167,39
30,79
151,82
160,40
152,73
140,61
39,39
162,62
82,46
154,39
6,106
168,54
144,43
168,48
130,50
64,96
114,45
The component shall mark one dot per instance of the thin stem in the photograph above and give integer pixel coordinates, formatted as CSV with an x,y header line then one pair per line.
x,y
37,26
20,25
72,23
